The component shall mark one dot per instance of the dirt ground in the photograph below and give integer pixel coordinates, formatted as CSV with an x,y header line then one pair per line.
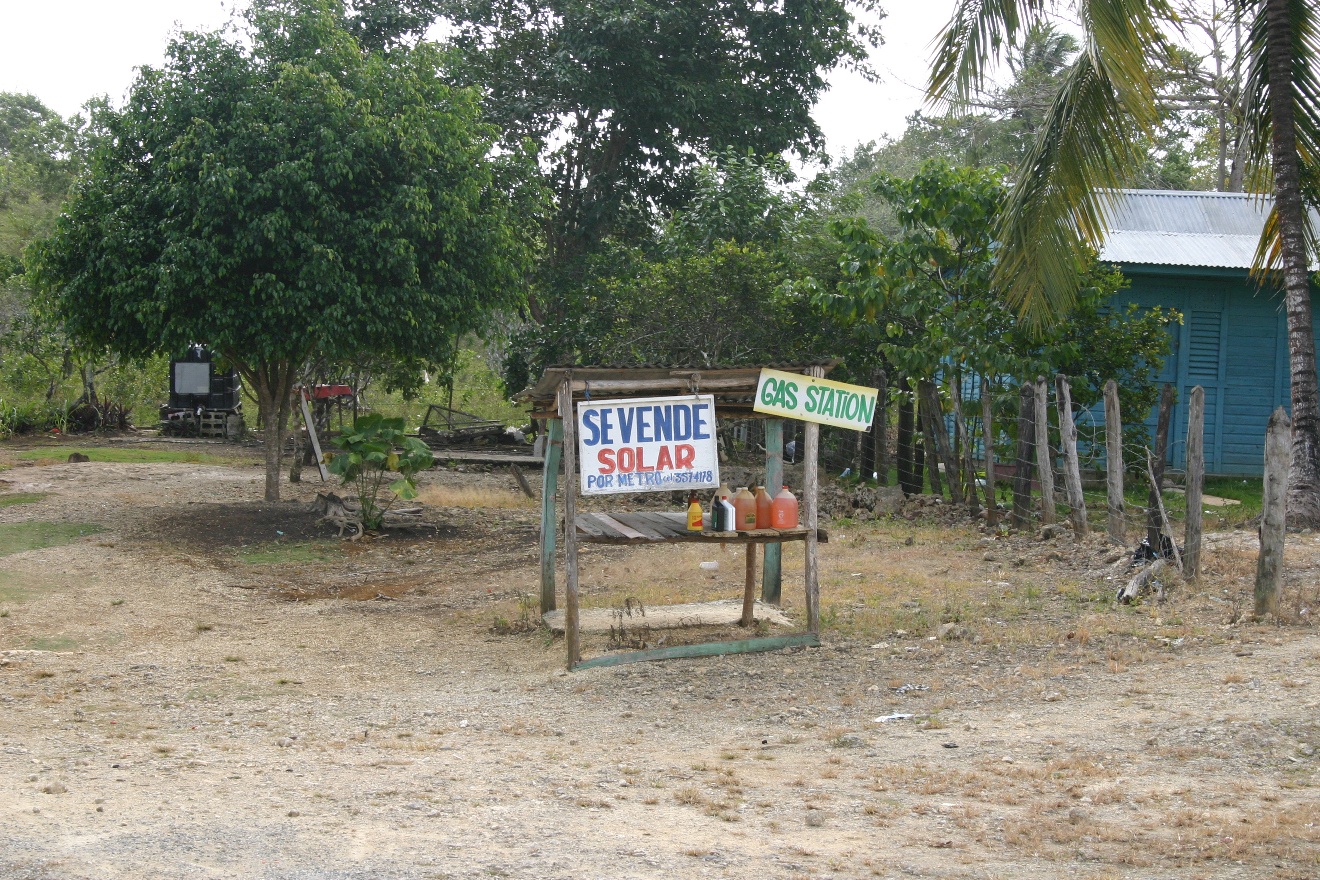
x,y
195,690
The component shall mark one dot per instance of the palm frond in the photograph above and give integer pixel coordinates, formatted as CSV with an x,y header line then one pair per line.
x,y
1087,148
1258,126
1089,144
976,35
1057,210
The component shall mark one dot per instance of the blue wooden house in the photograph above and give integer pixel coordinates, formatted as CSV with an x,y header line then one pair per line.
x,y
1192,251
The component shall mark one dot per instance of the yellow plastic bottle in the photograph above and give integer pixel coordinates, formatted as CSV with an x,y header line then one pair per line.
x,y
694,513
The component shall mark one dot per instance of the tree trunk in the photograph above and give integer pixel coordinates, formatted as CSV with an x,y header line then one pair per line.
x,y
930,451
1304,475
909,476
940,436
988,442
967,469
880,429
273,384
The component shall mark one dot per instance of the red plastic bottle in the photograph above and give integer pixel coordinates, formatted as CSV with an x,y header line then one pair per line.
x,y
784,510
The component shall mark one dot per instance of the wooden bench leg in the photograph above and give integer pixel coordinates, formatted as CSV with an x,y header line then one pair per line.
x,y
749,589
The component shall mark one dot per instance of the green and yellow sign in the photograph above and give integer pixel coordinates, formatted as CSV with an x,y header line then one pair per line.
x,y
815,400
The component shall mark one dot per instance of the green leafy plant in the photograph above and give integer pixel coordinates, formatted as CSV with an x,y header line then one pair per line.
x,y
371,455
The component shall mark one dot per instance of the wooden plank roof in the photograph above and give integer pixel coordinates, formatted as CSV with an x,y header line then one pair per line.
x,y
733,386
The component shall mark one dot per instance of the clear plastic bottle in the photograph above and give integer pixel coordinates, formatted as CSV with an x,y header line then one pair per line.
x,y
784,510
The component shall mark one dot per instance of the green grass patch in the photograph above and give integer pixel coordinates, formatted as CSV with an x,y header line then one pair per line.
x,y
15,587
20,536
53,643
20,498
126,456
291,553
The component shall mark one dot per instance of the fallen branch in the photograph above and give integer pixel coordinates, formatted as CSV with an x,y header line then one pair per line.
x,y
1141,583
1164,516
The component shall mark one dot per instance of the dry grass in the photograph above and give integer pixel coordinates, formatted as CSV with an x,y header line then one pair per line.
x,y
474,498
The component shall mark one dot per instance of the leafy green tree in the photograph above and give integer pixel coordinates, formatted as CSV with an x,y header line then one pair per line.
x,y
624,99
927,291
1093,137
289,195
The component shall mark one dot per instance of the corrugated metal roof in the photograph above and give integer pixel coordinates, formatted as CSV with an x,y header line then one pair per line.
x,y
1170,228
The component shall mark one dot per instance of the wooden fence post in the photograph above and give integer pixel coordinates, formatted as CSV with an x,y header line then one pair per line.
x,y
1114,464
810,492
1157,468
1072,469
549,509
1274,512
1195,482
1044,462
569,420
1025,439
988,441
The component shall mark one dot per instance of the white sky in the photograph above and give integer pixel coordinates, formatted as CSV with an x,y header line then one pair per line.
x,y
67,51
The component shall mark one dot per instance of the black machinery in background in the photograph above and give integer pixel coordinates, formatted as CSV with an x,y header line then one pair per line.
x,y
205,400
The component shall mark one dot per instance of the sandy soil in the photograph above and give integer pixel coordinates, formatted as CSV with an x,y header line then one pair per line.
x,y
175,704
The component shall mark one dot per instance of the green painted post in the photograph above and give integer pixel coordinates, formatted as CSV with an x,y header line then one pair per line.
x,y
771,578
554,447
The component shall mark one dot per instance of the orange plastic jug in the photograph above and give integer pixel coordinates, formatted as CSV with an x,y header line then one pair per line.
x,y
784,510
745,504
763,502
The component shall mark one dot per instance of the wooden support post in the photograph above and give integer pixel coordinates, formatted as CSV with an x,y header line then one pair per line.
x,y
1195,482
1274,512
772,572
1026,429
1114,464
749,587
1044,461
988,441
1072,470
1157,469
569,420
554,447
811,500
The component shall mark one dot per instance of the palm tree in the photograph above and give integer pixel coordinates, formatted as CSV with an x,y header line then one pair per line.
x,y
1093,136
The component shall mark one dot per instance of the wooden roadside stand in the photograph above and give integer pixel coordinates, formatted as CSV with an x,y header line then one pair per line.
x,y
574,398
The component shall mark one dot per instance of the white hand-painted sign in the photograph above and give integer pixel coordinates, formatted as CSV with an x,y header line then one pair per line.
x,y
654,444
815,400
